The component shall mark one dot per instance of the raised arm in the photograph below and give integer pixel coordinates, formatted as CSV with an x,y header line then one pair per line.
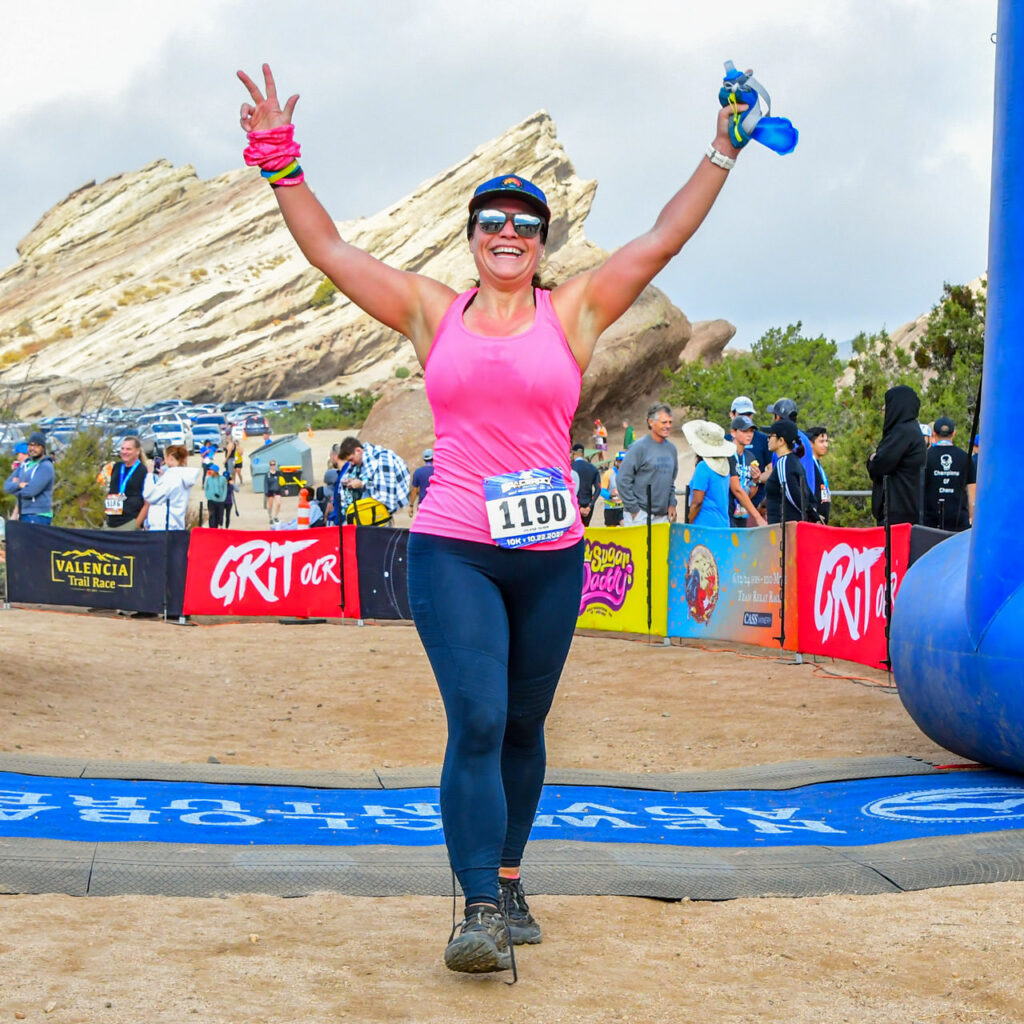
x,y
408,303
592,301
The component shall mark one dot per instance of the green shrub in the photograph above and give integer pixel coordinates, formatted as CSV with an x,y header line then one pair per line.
x,y
324,294
402,372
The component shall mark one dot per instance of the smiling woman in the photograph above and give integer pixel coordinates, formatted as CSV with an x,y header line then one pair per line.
x,y
496,552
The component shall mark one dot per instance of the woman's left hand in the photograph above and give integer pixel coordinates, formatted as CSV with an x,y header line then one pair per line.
x,y
723,140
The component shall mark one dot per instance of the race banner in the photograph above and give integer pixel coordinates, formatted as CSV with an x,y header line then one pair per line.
x,y
725,584
266,572
838,590
615,579
132,570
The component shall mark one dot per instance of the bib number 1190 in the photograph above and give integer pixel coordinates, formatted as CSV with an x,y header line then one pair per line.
x,y
529,507
542,508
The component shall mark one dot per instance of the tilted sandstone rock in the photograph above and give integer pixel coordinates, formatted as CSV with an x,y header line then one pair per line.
x,y
155,284
707,341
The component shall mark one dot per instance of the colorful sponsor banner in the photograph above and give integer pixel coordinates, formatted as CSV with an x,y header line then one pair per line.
x,y
838,590
725,584
272,572
615,579
131,570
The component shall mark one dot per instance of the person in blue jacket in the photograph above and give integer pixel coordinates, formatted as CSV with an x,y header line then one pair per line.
x,y
32,482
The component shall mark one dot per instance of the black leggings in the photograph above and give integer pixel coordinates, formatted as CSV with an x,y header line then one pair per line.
x,y
496,625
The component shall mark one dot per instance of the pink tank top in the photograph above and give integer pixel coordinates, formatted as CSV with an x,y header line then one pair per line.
x,y
500,405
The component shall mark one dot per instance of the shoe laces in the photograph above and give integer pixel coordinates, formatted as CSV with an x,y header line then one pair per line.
x,y
478,915
512,896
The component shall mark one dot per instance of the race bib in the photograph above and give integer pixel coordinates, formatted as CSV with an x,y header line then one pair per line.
x,y
529,507
114,504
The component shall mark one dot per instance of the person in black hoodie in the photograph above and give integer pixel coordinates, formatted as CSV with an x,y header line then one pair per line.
x,y
895,465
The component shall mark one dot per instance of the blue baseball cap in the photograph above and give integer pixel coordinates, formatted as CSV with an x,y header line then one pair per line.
x,y
514,185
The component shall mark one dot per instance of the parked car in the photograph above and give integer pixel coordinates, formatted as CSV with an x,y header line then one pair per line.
x,y
255,426
328,403
206,432
171,432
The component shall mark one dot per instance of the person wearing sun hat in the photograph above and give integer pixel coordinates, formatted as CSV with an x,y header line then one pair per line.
x,y
495,554
709,485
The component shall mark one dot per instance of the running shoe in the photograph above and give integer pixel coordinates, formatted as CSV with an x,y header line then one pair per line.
x,y
481,944
521,923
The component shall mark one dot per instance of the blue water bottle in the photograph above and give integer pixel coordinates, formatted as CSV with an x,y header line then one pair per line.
x,y
777,133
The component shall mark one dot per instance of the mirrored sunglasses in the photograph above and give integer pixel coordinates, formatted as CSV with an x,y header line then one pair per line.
x,y
526,225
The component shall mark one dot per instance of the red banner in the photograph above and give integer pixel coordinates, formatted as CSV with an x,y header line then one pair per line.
x,y
272,572
839,592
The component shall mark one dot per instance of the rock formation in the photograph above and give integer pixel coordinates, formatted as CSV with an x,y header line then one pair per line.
x,y
707,341
155,284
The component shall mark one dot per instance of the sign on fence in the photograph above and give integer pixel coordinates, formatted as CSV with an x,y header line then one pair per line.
x,y
838,590
270,572
615,579
134,571
725,584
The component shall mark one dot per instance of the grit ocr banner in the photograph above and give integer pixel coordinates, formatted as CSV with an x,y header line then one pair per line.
x,y
838,594
131,570
725,584
615,579
265,572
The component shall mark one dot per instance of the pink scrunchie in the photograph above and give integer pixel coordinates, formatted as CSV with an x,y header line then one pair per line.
x,y
273,148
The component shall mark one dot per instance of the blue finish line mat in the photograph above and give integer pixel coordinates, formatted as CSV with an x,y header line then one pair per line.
x,y
851,813
798,829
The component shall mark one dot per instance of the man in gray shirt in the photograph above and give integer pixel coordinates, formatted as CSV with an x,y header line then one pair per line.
x,y
651,461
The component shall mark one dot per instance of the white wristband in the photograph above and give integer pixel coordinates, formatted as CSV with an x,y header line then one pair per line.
x,y
727,163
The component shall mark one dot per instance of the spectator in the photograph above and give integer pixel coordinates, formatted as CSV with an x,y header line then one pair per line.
x,y
758,444
207,453
786,409
709,485
743,482
588,483
818,436
653,462
786,493
233,458
421,481
628,434
600,437
272,493
125,505
381,474
215,488
167,492
610,492
895,466
948,480
972,489
31,481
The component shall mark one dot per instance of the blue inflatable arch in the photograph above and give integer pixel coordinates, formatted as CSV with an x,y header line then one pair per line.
x,y
957,638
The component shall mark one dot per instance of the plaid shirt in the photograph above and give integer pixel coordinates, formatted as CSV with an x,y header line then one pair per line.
x,y
385,476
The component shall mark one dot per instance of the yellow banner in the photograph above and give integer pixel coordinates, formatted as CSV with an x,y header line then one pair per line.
x,y
615,579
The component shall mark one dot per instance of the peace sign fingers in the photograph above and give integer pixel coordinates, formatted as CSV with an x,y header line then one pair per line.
x,y
265,111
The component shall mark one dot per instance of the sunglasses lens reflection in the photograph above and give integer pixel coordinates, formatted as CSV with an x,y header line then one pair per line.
x,y
527,225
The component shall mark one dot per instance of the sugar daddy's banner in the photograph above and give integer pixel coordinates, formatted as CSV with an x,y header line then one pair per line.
x,y
135,571
725,584
615,579
837,592
265,572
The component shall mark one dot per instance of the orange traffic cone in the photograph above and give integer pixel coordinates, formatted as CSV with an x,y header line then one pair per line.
x,y
310,431
302,519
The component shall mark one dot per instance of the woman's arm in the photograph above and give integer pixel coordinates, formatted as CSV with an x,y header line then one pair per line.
x,y
592,301
409,303
696,500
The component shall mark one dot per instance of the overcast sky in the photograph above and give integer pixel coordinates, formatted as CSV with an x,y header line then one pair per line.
x,y
885,198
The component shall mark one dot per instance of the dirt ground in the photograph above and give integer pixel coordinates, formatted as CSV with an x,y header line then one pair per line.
x,y
340,696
